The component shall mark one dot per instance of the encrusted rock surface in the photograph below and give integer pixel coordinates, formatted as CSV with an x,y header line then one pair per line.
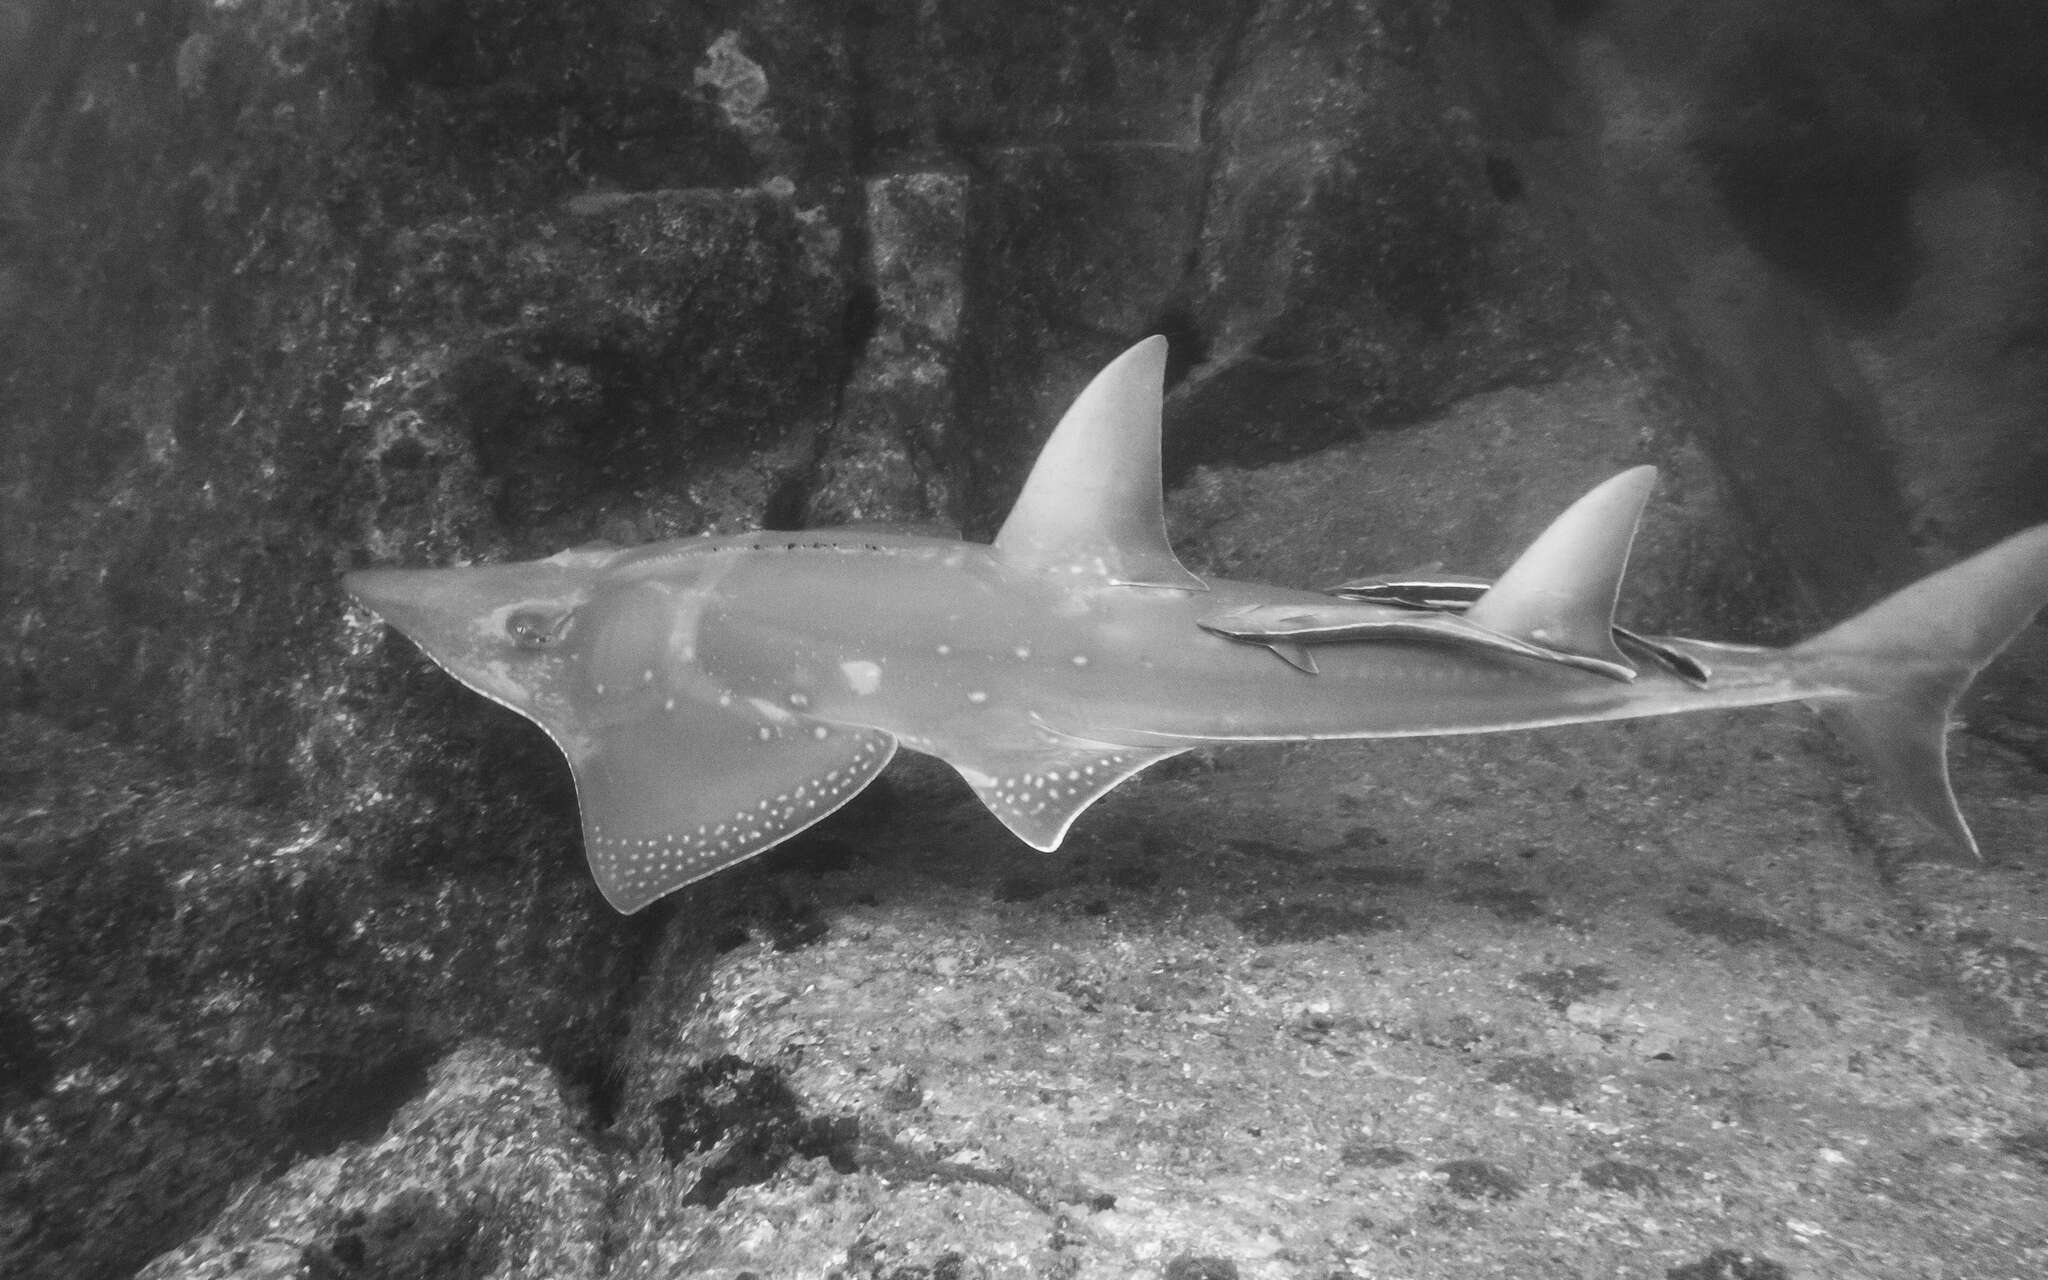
x,y
300,973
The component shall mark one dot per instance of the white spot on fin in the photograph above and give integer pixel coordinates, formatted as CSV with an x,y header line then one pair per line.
x,y
862,677
1039,792
668,800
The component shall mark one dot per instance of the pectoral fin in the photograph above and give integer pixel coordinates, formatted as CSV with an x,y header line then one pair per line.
x,y
675,796
1294,654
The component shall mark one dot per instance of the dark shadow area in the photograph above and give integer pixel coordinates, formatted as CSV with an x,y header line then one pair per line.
x,y
1811,127
750,1123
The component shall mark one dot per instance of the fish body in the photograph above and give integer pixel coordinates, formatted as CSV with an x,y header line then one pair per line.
x,y
714,696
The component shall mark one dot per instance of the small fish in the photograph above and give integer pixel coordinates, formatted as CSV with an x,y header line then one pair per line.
x,y
1291,629
715,696
1456,593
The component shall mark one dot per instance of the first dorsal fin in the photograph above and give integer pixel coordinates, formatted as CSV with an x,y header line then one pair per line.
x,y
1092,502
1560,594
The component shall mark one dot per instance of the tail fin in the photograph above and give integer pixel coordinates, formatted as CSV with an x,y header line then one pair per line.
x,y
1909,657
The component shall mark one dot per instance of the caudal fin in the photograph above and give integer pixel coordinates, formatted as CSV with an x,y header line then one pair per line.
x,y
1908,658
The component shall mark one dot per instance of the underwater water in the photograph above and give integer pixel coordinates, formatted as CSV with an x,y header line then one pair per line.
x,y
303,971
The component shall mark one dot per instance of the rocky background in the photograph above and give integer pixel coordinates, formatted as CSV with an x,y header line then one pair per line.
x,y
300,973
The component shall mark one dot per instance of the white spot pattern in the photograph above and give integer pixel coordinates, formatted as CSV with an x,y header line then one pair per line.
x,y
634,870
1039,795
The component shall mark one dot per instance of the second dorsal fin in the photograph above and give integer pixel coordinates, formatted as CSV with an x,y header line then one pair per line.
x,y
1091,504
1560,593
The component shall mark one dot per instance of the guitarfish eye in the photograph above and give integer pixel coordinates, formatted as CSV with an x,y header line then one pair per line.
x,y
537,628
